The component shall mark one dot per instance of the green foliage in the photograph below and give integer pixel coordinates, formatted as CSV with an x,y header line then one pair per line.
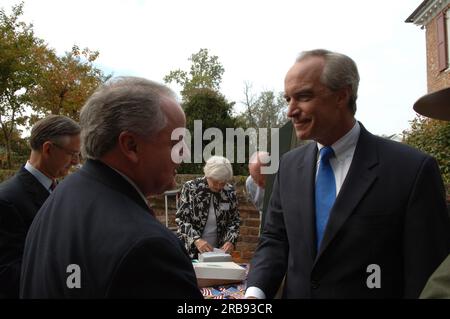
x,y
267,109
264,110
433,137
6,174
205,73
34,76
19,71
66,82
214,111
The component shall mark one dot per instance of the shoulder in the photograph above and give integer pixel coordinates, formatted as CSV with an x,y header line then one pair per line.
x,y
298,153
13,188
397,151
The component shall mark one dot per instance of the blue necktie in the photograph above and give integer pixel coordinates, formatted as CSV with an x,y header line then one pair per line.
x,y
325,192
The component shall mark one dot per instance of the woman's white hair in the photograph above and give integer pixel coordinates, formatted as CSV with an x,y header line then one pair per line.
x,y
219,169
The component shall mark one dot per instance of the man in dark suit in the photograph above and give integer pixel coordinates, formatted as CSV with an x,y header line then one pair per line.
x,y
55,147
96,237
351,215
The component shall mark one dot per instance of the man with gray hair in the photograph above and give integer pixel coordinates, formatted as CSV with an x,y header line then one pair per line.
x,y
55,148
97,237
351,215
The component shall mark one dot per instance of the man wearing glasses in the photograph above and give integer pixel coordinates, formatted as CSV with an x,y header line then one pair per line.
x,y
55,148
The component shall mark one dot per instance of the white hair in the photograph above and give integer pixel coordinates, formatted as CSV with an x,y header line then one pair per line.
x,y
219,169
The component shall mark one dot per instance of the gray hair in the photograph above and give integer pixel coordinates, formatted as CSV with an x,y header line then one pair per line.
x,y
122,104
340,71
53,128
219,169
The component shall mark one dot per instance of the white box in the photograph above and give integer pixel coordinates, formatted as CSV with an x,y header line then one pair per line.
x,y
218,273
214,256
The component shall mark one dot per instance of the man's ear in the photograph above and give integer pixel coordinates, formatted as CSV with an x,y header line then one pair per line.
x,y
128,145
46,149
343,96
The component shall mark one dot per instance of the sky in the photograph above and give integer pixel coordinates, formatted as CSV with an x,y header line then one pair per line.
x,y
256,41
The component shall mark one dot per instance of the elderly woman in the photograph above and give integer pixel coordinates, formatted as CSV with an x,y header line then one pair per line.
x,y
207,216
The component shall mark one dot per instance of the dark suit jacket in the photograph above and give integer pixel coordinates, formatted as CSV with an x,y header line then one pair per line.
x,y
389,212
20,198
96,220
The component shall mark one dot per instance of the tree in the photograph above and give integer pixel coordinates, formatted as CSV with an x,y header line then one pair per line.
x,y
433,137
66,82
265,110
214,111
19,71
268,109
20,149
205,73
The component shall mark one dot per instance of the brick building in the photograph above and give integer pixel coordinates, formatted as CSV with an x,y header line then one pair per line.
x,y
434,17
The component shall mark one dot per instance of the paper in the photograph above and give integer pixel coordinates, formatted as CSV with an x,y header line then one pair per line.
x,y
217,255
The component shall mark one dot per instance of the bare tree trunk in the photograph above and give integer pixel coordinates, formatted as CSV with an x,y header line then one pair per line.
x,y
8,151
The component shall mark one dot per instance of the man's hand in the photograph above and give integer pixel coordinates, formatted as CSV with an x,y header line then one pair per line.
x,y
227,247
202,245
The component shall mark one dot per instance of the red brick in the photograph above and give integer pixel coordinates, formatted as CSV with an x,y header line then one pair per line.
x,y
253,231
252,222
250,239
244,231
436,80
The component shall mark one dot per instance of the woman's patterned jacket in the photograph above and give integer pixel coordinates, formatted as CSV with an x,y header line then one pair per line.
x,y
193,210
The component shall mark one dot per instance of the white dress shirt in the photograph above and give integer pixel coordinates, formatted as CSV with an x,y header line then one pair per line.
x,y
344,149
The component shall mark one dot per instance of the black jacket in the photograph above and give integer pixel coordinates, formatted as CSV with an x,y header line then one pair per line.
x,y
97,221
389,212
20,198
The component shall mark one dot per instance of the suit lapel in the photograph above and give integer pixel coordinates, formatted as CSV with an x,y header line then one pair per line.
x,y
305,173
359,178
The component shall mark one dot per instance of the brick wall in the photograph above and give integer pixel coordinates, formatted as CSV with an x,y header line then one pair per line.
x,y
250,219
436,80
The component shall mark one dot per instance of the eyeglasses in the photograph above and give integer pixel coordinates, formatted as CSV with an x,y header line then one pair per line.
x,y
74,154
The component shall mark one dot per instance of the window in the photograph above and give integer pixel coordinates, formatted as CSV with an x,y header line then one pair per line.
x,y
443,42
447,16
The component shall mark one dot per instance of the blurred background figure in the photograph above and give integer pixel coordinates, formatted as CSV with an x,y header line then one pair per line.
x,y
208,216
256,182
55,148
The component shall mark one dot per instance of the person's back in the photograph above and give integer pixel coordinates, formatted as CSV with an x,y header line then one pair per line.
x,y
101,241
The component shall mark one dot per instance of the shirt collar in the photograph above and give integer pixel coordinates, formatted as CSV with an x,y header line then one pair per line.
x,y
346,143
132,184
43,179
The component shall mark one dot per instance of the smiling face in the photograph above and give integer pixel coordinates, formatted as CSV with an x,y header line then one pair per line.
x,y
317,112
